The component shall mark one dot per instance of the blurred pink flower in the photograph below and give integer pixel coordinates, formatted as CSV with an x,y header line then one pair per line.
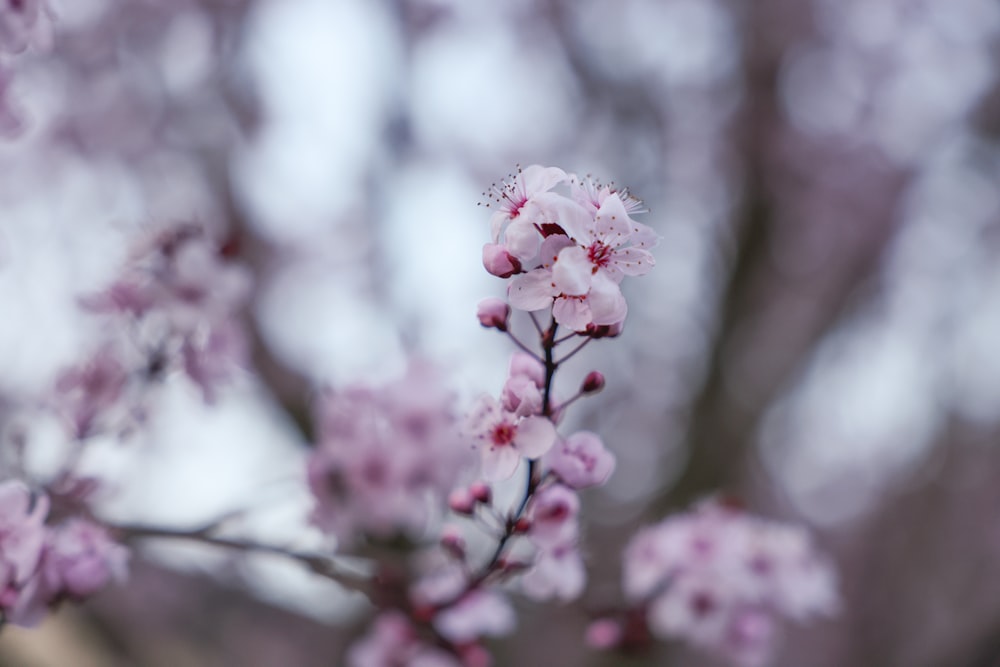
x,y
581,460
22,537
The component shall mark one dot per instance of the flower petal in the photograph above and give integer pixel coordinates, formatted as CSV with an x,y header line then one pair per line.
x,y
573,271
532,291
535,436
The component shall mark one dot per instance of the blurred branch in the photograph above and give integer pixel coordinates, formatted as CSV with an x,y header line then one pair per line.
x,y
323,565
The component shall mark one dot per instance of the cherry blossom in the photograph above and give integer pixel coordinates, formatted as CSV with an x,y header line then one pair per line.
x,y
553,516
80,559
22,537
557,572
393,641
24,24
721,578
504,438
522,207
581,460
386,457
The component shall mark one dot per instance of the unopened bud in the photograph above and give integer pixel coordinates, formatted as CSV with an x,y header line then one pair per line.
x,y
499,262
593,383
481,492
603,634
604,330
493,313
461,502
522,526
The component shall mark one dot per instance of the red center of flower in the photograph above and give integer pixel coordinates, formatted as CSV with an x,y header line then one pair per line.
x,y
503,434
599,254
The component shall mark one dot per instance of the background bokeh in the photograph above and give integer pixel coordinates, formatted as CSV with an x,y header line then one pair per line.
x,y
820,335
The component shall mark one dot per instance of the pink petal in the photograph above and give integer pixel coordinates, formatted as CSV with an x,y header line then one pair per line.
x,y
535,436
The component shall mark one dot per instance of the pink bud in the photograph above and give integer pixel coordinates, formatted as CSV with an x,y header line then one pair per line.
x,y
522,526
481,492
499,262
593,383
604,330
493,313
461,502
453,542
603,633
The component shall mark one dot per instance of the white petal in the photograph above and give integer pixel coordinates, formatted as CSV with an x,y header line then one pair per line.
x,y
522,239
572,312
607,305
499,463
572,272
532,291
612,223
539,179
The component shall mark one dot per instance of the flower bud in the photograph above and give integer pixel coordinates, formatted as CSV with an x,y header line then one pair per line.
x,y
452,542
593,383
481,492
604,330
461,502
499,262
604,633
493,313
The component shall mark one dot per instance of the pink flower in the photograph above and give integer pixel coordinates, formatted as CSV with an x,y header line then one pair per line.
x,y
523,364
81,559
25,23
521,396
598,301
212,355
22,537
386,457
391,642
85,393
557,573
721,578
602,634
479,613
581,460
503,438
553,516
521,208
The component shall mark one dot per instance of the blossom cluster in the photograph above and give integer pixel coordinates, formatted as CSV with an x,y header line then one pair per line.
x,y
24,25
722,579
178,298
386,457
567,250
41,565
